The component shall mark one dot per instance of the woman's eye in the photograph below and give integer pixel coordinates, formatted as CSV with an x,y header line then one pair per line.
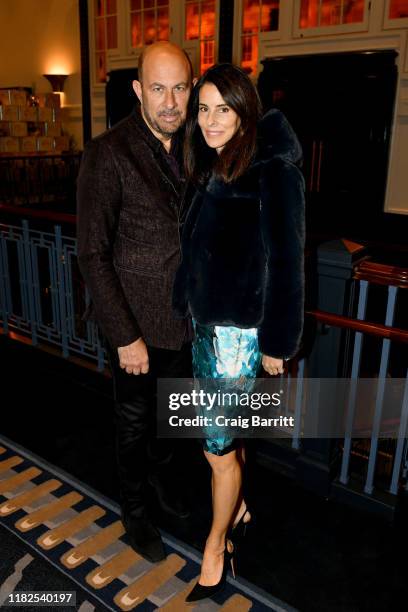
x,y
202,109
224,109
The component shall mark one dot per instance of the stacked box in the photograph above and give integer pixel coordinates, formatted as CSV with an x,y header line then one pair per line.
x,y
28,144
18,129
4,128
45,114
9,112
61,143
18,97
8,144
28,113
26,128
34,128
45,143
49,100
52,128
5,97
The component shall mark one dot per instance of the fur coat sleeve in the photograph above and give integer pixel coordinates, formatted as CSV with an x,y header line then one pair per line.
x,y
283,234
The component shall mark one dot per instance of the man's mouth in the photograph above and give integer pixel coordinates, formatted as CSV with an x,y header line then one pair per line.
x,y
169,116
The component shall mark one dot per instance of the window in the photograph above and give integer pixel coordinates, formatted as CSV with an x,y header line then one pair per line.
x,y
398,9
200,26
149,21
322,13
257,16
106,34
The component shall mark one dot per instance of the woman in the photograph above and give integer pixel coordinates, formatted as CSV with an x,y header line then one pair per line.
x,y
241,274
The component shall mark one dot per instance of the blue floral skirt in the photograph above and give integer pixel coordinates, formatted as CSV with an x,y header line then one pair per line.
x,y
231,354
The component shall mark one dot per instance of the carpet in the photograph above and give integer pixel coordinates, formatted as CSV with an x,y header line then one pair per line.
x,y
58,534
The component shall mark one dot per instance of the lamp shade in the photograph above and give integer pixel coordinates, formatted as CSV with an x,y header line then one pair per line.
x,y
57,81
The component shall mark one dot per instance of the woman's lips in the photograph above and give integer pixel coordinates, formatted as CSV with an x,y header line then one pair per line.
x,y
212,134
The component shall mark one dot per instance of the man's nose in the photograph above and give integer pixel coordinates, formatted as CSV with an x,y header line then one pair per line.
x,y
170,101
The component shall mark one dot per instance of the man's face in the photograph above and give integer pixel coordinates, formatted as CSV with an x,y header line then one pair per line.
x,y
164,93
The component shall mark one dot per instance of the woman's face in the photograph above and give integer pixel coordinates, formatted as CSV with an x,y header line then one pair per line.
x,y
217,120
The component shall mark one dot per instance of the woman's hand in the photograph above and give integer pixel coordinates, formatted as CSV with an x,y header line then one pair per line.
x,y
272,365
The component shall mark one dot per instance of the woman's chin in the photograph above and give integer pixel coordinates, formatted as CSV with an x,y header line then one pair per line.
x,y
212,145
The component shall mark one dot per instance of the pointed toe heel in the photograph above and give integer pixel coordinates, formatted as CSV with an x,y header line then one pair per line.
x,y
200,591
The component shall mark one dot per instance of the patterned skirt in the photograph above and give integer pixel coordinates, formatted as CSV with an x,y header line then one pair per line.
x,y
228,360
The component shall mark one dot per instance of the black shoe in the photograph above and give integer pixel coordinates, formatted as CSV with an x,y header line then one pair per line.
x,y
144,537
201,592
168,498
237,533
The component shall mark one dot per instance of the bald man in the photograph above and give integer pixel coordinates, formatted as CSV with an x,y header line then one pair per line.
x,y
129,211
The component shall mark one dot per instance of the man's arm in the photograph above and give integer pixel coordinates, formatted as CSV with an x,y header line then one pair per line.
x,y
99,200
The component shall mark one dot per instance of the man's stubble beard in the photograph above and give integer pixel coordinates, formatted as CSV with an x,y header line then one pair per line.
x,y
157,127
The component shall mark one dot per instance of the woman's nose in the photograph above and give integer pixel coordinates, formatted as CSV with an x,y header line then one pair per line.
x,y
211,118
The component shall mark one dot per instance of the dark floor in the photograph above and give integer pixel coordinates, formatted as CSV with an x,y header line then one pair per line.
x,y
315,554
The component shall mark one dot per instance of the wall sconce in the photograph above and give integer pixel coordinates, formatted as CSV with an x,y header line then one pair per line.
x,y
57,81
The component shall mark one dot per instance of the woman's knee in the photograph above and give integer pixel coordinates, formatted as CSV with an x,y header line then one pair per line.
x,y
221,464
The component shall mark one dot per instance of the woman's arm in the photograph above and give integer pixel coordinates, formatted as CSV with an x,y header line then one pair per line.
x,y
180,287
283,231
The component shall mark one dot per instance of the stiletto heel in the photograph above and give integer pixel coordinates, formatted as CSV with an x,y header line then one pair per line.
x,y
200,591
232,561
238,532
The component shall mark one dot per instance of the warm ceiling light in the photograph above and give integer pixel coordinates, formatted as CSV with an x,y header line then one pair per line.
x,y
57,81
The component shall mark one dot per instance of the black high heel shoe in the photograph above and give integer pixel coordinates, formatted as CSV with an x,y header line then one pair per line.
x,y
200,591
237,532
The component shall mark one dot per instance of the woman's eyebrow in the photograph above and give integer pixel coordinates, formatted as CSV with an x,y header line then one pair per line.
x,y
216,106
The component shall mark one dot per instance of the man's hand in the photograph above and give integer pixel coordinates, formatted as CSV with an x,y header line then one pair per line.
x,y
272,365
134,358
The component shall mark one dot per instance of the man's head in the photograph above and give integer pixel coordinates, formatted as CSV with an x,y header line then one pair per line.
x,y
163,88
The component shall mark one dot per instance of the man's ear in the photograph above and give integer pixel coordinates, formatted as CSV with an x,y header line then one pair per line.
x,y
195,81
137,88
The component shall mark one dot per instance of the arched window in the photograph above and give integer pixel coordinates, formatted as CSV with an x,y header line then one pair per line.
x,y
200,28
149,22
257,16
398,9
106,34
321,13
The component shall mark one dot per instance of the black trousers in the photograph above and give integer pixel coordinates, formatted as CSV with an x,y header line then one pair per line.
x,y
139,452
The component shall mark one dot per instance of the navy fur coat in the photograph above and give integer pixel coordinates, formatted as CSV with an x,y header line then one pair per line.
x,y
243,246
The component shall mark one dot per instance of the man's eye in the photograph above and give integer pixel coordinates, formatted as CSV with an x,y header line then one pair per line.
x,y
157,89
180,88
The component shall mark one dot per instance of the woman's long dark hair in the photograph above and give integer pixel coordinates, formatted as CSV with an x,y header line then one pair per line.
x,y
238,91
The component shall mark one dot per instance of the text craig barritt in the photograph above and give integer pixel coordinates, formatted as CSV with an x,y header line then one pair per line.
x,y
223,421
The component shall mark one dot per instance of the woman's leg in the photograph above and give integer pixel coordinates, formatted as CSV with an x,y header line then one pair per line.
x,y
226,487
241,507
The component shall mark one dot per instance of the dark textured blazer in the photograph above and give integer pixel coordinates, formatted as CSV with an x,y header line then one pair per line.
x,y
243,246
128,235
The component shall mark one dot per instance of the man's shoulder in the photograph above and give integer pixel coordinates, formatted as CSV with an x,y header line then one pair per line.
x,y
117,134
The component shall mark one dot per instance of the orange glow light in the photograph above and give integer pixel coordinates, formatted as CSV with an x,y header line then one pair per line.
x,y
398,9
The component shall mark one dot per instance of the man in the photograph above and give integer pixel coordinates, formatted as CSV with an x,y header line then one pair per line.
x,y
129,210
